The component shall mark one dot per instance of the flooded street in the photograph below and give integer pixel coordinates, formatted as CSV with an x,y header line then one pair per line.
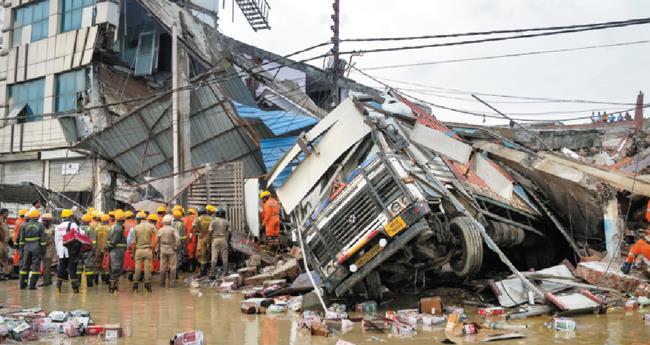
x,y
155,318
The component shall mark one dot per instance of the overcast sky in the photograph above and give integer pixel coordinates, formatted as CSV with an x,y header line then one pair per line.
x,y
614,74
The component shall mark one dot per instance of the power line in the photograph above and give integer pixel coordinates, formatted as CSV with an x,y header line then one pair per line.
x,y
469,92
494,39
495,32
492,57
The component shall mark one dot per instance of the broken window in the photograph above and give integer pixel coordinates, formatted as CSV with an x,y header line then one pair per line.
x,y
28,95
139,40
69,85
146,53
72,13
34,16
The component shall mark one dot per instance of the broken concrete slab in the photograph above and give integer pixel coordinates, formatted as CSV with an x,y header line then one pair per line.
x,y
290,270
441,143
603,274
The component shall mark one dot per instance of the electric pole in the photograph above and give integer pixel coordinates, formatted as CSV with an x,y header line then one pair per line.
x,y
336,60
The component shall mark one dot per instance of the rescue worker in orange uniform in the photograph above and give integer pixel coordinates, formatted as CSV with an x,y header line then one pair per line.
x,y
161,211
201,229
21,219
190,248
129,223
271,218
647,212
641,247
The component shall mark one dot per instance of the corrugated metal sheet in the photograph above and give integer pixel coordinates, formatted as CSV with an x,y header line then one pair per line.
x,y
273,150
140,143
19,172
234,88
79,182
222,186
279,122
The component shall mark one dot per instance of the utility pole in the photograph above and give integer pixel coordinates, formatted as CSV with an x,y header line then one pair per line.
x,y
175,118
336,59
182,158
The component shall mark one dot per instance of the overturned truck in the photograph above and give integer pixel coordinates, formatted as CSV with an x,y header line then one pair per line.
x,y
387,199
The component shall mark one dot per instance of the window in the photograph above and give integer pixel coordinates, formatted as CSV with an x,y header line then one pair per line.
x,y
68,85
72,13
36,15
29,95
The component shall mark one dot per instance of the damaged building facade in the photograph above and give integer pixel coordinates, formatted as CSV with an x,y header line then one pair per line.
x,y
86,107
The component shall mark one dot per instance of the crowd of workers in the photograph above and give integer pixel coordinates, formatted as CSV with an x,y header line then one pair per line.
x,y
102,245
607,118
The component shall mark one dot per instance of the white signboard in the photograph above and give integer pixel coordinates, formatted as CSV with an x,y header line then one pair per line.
x,y
70,169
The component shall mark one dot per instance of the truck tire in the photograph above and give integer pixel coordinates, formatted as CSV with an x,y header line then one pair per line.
x,y
373,286
466,232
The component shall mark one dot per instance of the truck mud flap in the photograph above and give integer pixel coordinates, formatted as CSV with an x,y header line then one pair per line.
x,y
390,249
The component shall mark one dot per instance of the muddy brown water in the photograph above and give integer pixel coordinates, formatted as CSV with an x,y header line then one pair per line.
x,y
154,318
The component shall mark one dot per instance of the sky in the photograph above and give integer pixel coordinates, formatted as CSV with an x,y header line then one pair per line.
x,y
613,74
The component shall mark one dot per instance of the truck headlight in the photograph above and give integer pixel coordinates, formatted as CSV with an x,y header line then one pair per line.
x,y
353,268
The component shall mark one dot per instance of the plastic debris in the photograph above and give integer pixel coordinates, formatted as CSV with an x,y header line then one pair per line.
x,y
562,324
188,338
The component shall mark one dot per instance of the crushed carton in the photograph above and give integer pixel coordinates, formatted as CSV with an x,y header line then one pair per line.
x,y
431,305
59,316
94,330
112,332
188,338
368,307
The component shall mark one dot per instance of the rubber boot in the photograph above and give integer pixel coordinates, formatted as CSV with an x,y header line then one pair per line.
x,y
96,278
106,279
32,281
147,287
111,287
89,280
75,286
135,287
163,278
115,288
23,281
59,284
204,270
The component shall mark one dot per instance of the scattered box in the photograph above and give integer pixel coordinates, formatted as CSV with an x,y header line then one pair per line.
x,y
431,305
112,332
188,338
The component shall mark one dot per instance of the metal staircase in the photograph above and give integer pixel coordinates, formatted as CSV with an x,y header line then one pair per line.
x,y
256,12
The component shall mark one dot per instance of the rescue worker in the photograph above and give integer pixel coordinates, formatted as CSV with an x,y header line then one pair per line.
x,y
641,247
116,245
161,211
143,233
20,221
129,260
111,218
647,212
96,215
182,237
101,234
168,244
31,242
50,249
4,245
219,237
190,248
69,256
201,229
87,264
271,218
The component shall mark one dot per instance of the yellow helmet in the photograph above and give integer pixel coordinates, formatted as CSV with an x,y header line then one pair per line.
x,y
141,215
111,213
153,217
22,212
177,214
119,214
90,210
210,209
193,211
95,214
47,216
105,218
34,214
66,213
161,209
265,194
128,214
87,218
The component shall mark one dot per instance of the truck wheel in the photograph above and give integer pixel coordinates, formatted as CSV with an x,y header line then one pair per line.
x,y
467,234
373,286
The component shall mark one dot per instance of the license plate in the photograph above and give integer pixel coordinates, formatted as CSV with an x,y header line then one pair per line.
x,y
396,225
368,255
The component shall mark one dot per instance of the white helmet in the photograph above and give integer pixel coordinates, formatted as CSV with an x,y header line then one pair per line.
x,y
168,219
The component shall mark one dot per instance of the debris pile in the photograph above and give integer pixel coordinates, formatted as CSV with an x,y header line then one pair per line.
x,y
36,324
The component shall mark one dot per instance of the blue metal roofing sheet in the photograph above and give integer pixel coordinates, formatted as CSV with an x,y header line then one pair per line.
x,y
280,122
273,150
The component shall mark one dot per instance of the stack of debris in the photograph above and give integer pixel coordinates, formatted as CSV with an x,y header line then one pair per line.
x,y
34,324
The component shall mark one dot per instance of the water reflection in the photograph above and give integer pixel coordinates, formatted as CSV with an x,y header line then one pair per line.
x,y
154,318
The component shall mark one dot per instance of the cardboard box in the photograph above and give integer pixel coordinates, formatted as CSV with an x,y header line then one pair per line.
x,y
112,332
94,330
431,305
188,338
